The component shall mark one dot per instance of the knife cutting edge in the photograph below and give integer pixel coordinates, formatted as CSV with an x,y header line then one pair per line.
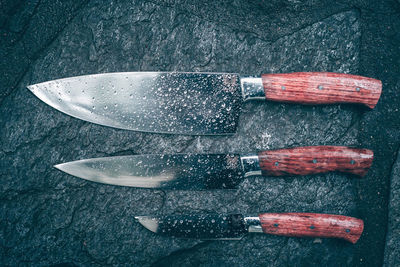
x,y
235,226
194,103
217,171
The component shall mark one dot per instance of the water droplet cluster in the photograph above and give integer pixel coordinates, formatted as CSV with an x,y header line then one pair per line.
x,y
204,226
189,103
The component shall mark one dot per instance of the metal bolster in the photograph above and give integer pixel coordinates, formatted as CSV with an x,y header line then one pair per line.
x,y
253,224
250,165
252,88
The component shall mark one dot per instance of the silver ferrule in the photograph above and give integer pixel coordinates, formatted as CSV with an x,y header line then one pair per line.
x,y
252,88
253,224
250,165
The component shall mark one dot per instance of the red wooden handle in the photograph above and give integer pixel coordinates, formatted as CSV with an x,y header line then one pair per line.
x,y
321,88
315,159
312,225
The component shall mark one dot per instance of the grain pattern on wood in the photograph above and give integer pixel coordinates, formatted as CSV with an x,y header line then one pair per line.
x,y
321,88
312,225
315,159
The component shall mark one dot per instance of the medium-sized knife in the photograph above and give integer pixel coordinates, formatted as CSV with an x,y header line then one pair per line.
x,y
194,103
217,171
235,226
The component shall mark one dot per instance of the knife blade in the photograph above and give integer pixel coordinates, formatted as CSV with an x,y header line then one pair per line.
x,y
193,103
235,226
217,171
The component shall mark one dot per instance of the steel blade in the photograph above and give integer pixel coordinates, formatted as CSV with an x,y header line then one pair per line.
x,y
205,227
180,171
161,102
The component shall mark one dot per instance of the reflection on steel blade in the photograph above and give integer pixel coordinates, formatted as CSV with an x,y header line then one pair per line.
x,y
180,171
162,102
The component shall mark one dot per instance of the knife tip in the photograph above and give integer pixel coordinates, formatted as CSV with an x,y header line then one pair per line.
x,y
148,222
59,166
31,87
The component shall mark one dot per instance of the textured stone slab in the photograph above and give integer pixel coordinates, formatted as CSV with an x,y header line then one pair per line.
x,y
49,217
392,249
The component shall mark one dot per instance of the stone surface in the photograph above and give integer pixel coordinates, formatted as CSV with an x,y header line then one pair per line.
x,y
392,249
52,218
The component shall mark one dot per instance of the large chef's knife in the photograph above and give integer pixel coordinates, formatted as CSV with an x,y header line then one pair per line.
x,y
193,103
235,226
217,171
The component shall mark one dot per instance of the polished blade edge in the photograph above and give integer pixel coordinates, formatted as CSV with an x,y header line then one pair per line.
x,y
178,171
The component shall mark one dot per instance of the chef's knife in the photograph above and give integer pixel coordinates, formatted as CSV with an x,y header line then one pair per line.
x,y
217,171
235,226
193,103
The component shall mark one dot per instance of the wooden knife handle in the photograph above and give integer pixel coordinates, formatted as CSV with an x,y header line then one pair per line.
x,y
321,88
315,159
312,225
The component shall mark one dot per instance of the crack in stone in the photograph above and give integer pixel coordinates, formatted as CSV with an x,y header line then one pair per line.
x,y
353,123
386,257
184,252
37,54
21,34
256,35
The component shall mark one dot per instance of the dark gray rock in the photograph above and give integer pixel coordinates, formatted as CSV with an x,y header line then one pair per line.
x,y
392,249
27,28
51,218
379,130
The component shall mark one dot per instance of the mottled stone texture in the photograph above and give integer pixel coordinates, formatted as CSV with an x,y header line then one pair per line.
x,y
392,250
49,218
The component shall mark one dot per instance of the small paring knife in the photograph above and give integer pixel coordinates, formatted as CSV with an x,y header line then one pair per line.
x,y
235,226
194,103
217,171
